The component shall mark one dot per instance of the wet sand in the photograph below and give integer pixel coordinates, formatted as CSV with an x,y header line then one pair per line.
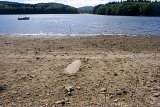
x,y
116,71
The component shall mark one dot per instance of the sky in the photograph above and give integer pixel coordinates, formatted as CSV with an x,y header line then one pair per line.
x,y
75,3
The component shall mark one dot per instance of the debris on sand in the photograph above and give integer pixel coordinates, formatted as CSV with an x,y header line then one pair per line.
x,y
73,67
7,43
103,90
155,94
62,102
121,92
2,87
69,89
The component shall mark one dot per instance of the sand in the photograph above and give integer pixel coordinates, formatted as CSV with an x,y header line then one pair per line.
x,y
127,67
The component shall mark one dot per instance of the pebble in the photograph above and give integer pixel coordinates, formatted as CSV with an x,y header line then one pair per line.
x,y
66,99
70,93
115,74
69,88
78,88
7,42
103,90
37,58
116,100
27,93
62,102
118,93
2,87
121,92
156,94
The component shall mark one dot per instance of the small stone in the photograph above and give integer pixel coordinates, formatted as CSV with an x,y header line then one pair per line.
x,y
62,102
89,66
96,85
111,96
69,88
116,100
2,87
156,94
7,42
121,92
115,74
66,99
111,81
27,93
125,92
37,58
78,88
154,80
103,90
118,93
70,93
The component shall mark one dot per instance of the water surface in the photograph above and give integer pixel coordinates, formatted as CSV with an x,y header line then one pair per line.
x,y
79,24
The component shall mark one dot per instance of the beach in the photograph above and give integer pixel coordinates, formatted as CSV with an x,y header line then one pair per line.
x,y
116,71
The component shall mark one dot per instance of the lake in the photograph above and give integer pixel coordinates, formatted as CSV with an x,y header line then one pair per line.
x,y
52,24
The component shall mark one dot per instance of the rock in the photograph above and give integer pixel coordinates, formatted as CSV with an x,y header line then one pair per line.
x,y
103,90
2,87
66,99
7,42
62,102
111,81
27,93
116,100
118,93
121,92
156,94
70,93
115,74
37,58
125,92
73,67
69,88
78,88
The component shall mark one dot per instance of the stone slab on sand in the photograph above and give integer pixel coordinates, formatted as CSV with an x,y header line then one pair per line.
x,y
73,67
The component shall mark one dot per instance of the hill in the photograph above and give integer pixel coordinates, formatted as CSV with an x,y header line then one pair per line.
x,y
86,9
7,2
40,8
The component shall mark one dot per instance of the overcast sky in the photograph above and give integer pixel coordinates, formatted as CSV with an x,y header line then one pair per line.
x,y
75,3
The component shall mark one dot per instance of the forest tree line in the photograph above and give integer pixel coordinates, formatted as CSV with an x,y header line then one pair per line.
x,y
41,8
129,8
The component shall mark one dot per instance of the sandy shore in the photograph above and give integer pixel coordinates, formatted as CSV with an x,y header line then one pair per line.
x,y
127,67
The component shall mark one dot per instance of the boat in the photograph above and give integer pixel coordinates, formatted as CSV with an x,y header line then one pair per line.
x,y
23,18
